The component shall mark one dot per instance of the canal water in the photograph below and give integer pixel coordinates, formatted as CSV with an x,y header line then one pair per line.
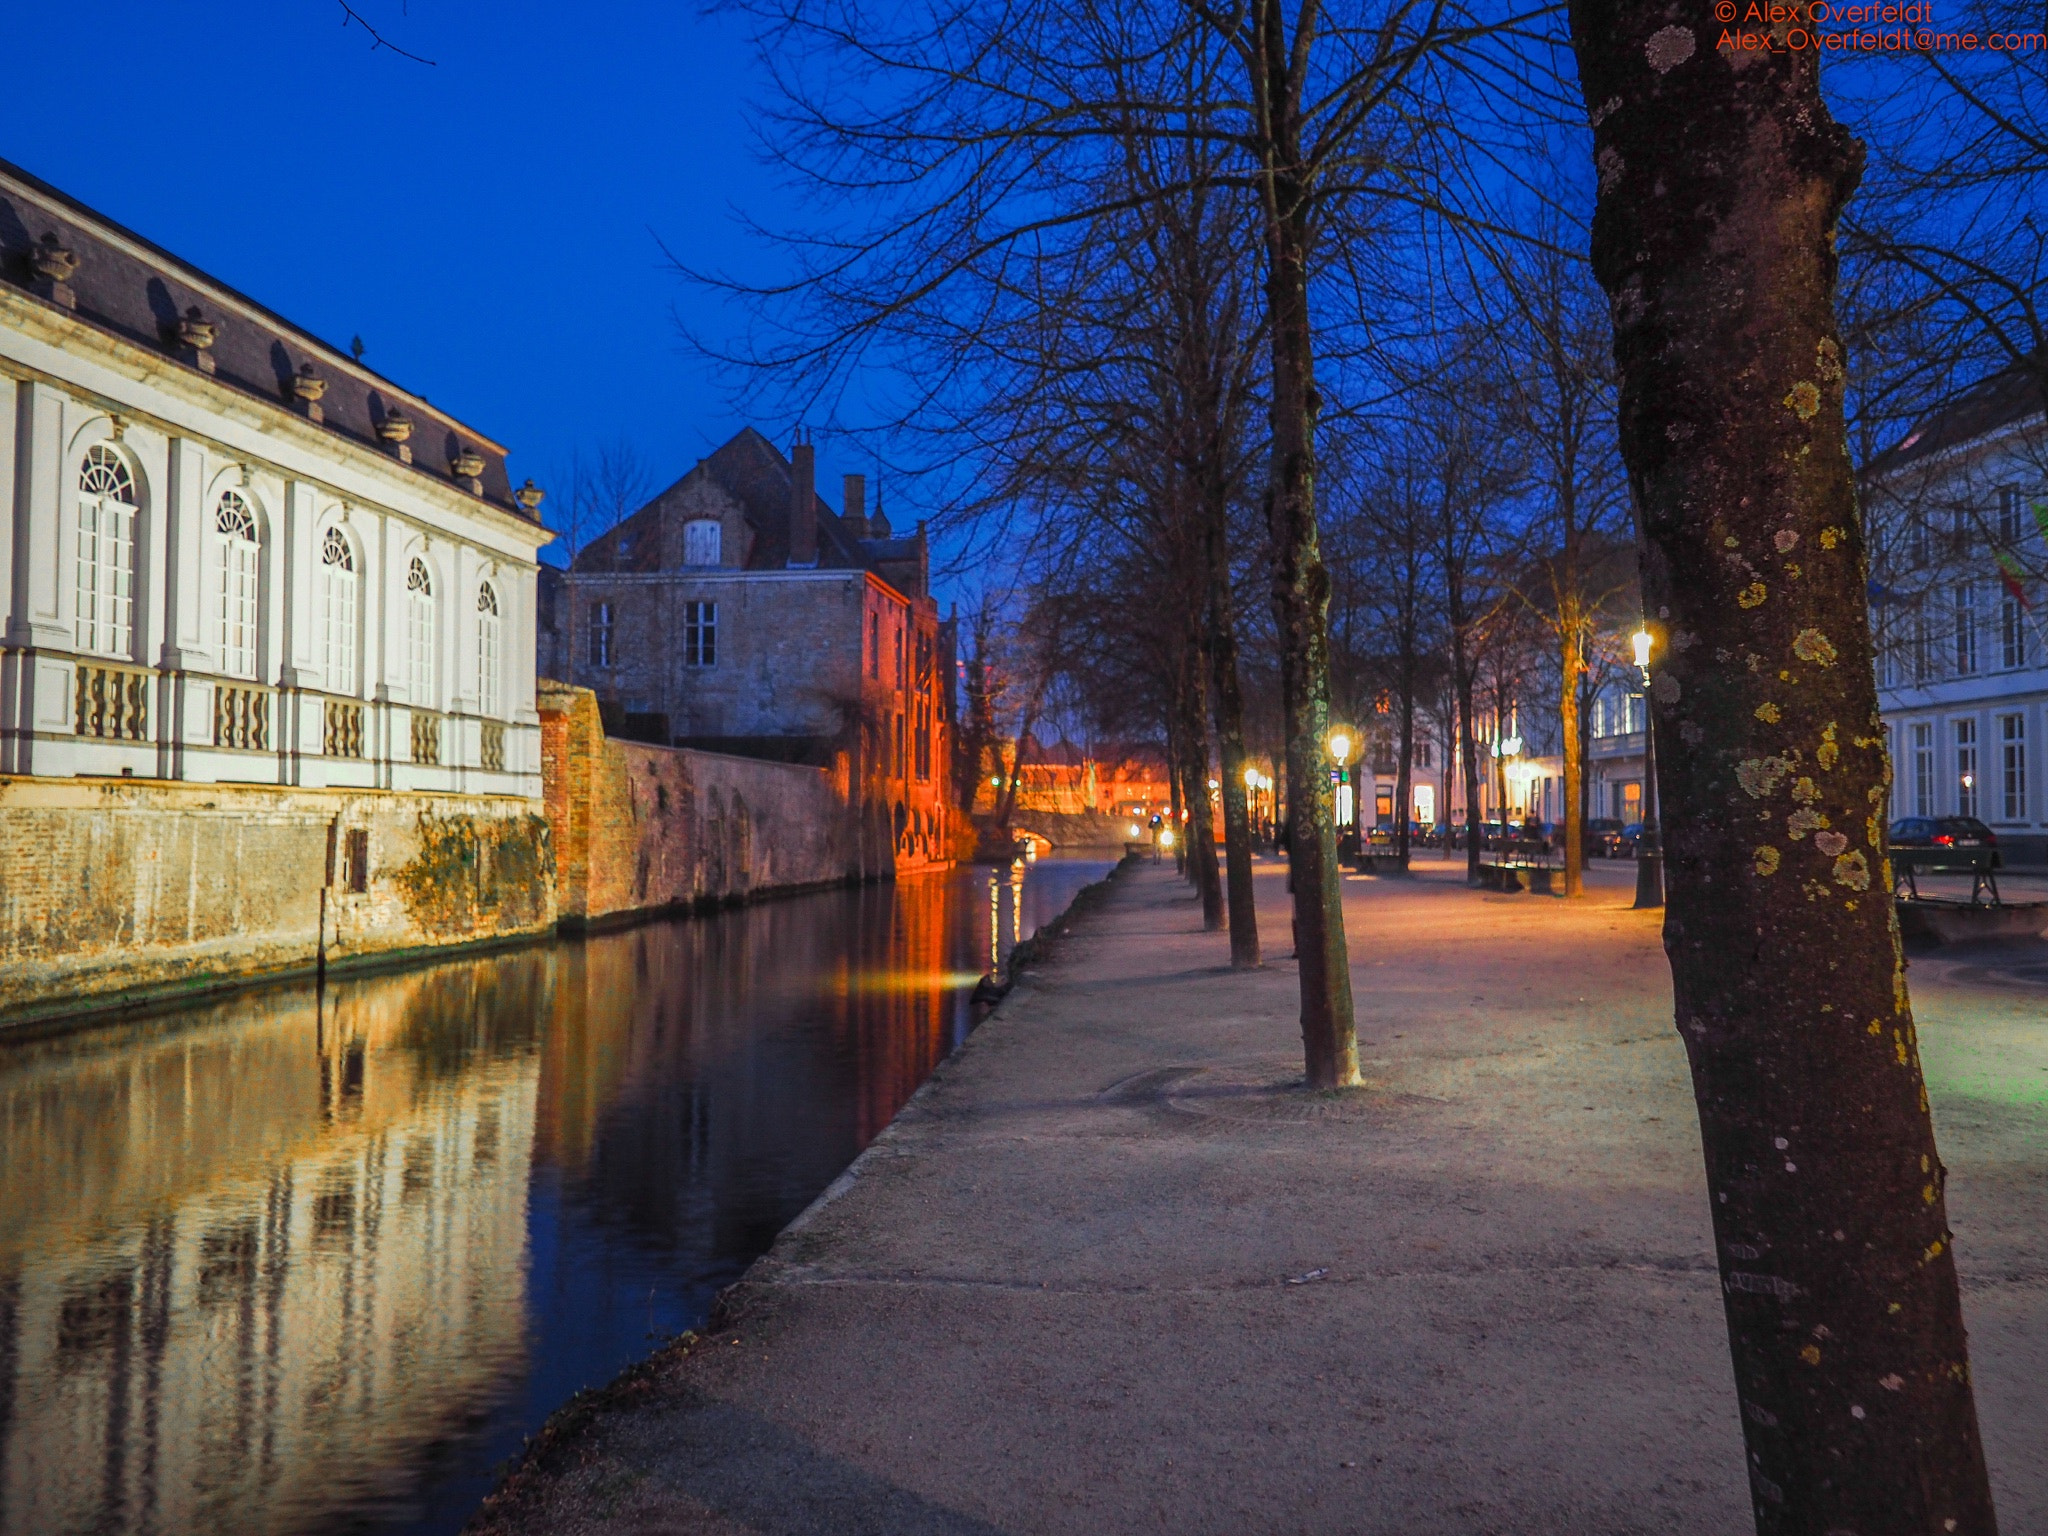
x,y
298,1262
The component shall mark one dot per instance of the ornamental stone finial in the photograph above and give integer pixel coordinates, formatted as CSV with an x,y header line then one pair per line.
x,y
54,266
196,334
530,496
307,388
468,466
395,432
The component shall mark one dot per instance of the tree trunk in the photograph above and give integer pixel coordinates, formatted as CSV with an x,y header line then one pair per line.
x,y
1468,748
1201,824
1228,699
1175,788
1722,175
1301,606
1571,663
1585,790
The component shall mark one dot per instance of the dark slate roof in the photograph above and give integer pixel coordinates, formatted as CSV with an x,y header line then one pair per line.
x,y
2008,396
757,475
134,289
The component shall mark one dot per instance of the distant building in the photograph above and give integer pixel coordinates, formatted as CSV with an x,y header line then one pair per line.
x,y
1957,520
1060,778
736,612
1614,765
233,553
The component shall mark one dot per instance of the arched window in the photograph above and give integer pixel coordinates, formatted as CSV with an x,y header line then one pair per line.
x,y
701,542
235,584
419,604
338,611
106,553
486,649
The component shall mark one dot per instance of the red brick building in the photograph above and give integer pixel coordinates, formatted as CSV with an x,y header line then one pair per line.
x,y
736,612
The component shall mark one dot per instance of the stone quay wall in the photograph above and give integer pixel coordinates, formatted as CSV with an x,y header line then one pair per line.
x,y
121,892
114,891
642,829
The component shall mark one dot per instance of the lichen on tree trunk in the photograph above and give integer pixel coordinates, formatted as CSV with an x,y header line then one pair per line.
x,y
1721,177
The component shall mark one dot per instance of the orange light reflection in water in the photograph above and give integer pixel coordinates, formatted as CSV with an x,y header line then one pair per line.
x,y
266,1265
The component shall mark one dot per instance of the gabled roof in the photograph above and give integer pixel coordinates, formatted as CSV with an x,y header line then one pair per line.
x,y
2000,400
758,475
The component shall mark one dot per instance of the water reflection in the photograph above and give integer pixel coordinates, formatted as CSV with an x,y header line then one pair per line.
x,y
295,1262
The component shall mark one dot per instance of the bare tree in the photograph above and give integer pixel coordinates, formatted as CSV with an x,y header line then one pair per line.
x,y
599,488
1559,383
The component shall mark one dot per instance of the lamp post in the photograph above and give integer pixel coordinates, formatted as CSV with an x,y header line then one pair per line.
x,y
1649,847
1340,744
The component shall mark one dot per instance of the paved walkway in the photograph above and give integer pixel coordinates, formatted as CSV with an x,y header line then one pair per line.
x,y
1108,1274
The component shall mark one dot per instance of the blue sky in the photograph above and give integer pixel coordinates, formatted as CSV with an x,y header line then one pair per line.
x,y
488,226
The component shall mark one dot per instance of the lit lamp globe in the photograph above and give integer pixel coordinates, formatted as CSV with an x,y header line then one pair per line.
x,y
1251,778
1340,746
1642,642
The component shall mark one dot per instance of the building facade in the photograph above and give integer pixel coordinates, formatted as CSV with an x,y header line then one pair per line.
x,y
234,554
736,612
1957,517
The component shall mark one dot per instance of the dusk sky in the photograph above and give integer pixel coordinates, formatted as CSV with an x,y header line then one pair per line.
x,y
488,225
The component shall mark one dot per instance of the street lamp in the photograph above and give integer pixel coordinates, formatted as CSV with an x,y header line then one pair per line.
x,y
1340,744
1649,850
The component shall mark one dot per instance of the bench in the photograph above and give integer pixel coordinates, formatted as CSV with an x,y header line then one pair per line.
x,y
1980,864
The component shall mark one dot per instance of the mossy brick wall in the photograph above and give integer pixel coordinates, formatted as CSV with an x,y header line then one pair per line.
x,y
112,889
642,828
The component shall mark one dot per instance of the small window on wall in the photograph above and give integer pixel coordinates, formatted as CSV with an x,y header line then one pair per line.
x,y
600,634
700,634
235,583
2012,748
1966,629
338,611
419,604
2012,633
1923,768
875,646
488,666
105,563
2011,518
702,542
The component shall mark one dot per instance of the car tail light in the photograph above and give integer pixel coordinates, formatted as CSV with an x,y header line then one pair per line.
x,y
1943,838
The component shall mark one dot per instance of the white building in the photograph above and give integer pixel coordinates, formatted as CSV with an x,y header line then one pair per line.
x,y
1956,554
234,553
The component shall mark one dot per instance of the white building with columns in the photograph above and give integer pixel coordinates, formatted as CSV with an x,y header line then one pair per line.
x,y
233,553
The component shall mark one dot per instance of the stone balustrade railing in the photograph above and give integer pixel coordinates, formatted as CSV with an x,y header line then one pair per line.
x,y
241,717
112,701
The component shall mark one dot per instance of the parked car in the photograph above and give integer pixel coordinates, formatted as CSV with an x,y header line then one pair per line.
x,y
1936,836
1603,837
1631,839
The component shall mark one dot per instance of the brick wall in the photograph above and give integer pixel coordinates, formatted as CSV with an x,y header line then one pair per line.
x,y
642,828
118,890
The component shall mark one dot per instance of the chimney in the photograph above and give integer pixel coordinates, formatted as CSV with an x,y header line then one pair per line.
x,y
803,505
854,506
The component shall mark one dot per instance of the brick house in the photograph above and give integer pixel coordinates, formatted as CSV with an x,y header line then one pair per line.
x,y
736,612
